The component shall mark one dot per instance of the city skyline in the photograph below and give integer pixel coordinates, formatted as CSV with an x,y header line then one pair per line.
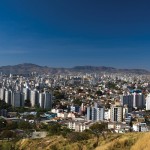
x,y
75,33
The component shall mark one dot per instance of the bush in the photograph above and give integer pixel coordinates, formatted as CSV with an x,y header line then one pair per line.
x,y
77,136
8,134
54,129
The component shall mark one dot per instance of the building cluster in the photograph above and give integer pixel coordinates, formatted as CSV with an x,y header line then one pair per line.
x,y
79,100
16,91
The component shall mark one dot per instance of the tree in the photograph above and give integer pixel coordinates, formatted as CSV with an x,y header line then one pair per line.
x,y
99,93
77,136
3,123
8,134
54,128
4,105
65,131
27,103
77,102
12,126
59,95
24,125
98,129
111,85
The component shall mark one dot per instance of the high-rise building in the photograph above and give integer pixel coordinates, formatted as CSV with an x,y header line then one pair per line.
x,y
127,99
45,100
22,99
2,93
95,113
138,100
88,114
26,93
100,113
133,100
116,114
34,98
16,99
41,100
8,96
148,102
48,100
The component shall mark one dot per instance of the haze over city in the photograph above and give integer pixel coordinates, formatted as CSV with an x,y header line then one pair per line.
x,y
69,33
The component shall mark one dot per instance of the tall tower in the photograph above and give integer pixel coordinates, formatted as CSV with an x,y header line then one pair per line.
x,y
34,98
16,97
116,114
48,100
148,102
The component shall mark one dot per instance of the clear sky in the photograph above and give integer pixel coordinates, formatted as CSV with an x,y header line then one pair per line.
x,y
66,33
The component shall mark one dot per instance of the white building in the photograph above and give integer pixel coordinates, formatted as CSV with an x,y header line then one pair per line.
x,y
116,114
41,100
2,93
95,113
100,113
140,127
107,114
148,102
8,95
33,98
26,93
78,126
45,100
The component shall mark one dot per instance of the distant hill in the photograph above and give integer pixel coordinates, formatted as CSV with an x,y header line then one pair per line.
x,y
27,68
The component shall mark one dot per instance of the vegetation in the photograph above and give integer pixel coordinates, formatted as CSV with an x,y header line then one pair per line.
x,y
127,141
99,129
77,136
77,102
99,93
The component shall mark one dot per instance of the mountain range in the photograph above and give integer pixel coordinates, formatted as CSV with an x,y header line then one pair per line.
x,y
27,68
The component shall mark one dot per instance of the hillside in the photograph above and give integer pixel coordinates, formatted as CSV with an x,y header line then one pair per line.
x,y
27,68
128,141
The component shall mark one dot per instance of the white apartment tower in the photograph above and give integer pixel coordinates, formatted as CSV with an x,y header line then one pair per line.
x,y
33,98
2,93
148,102
116,114
8,96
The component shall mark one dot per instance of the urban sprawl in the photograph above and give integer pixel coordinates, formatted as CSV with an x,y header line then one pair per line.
x,y
75,101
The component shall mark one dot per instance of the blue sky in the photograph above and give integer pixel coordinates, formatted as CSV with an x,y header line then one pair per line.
x,y
66,33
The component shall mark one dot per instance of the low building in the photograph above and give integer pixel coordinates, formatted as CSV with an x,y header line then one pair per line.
x,y
140,127
78,126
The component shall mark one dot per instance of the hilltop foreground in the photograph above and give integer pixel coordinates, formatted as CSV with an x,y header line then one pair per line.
x,y
128,141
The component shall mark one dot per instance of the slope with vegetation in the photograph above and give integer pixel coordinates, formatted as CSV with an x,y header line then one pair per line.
x,y
127,141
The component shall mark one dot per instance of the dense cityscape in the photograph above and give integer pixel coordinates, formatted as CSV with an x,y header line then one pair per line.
x,y
73,101
74,75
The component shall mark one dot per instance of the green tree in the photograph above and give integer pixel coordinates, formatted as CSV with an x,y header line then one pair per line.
x,y
77,136
59,95
27,103
4,105
3,123
99,93
8,134
12,126
24,125
77,102
99,129
65,131
54,128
